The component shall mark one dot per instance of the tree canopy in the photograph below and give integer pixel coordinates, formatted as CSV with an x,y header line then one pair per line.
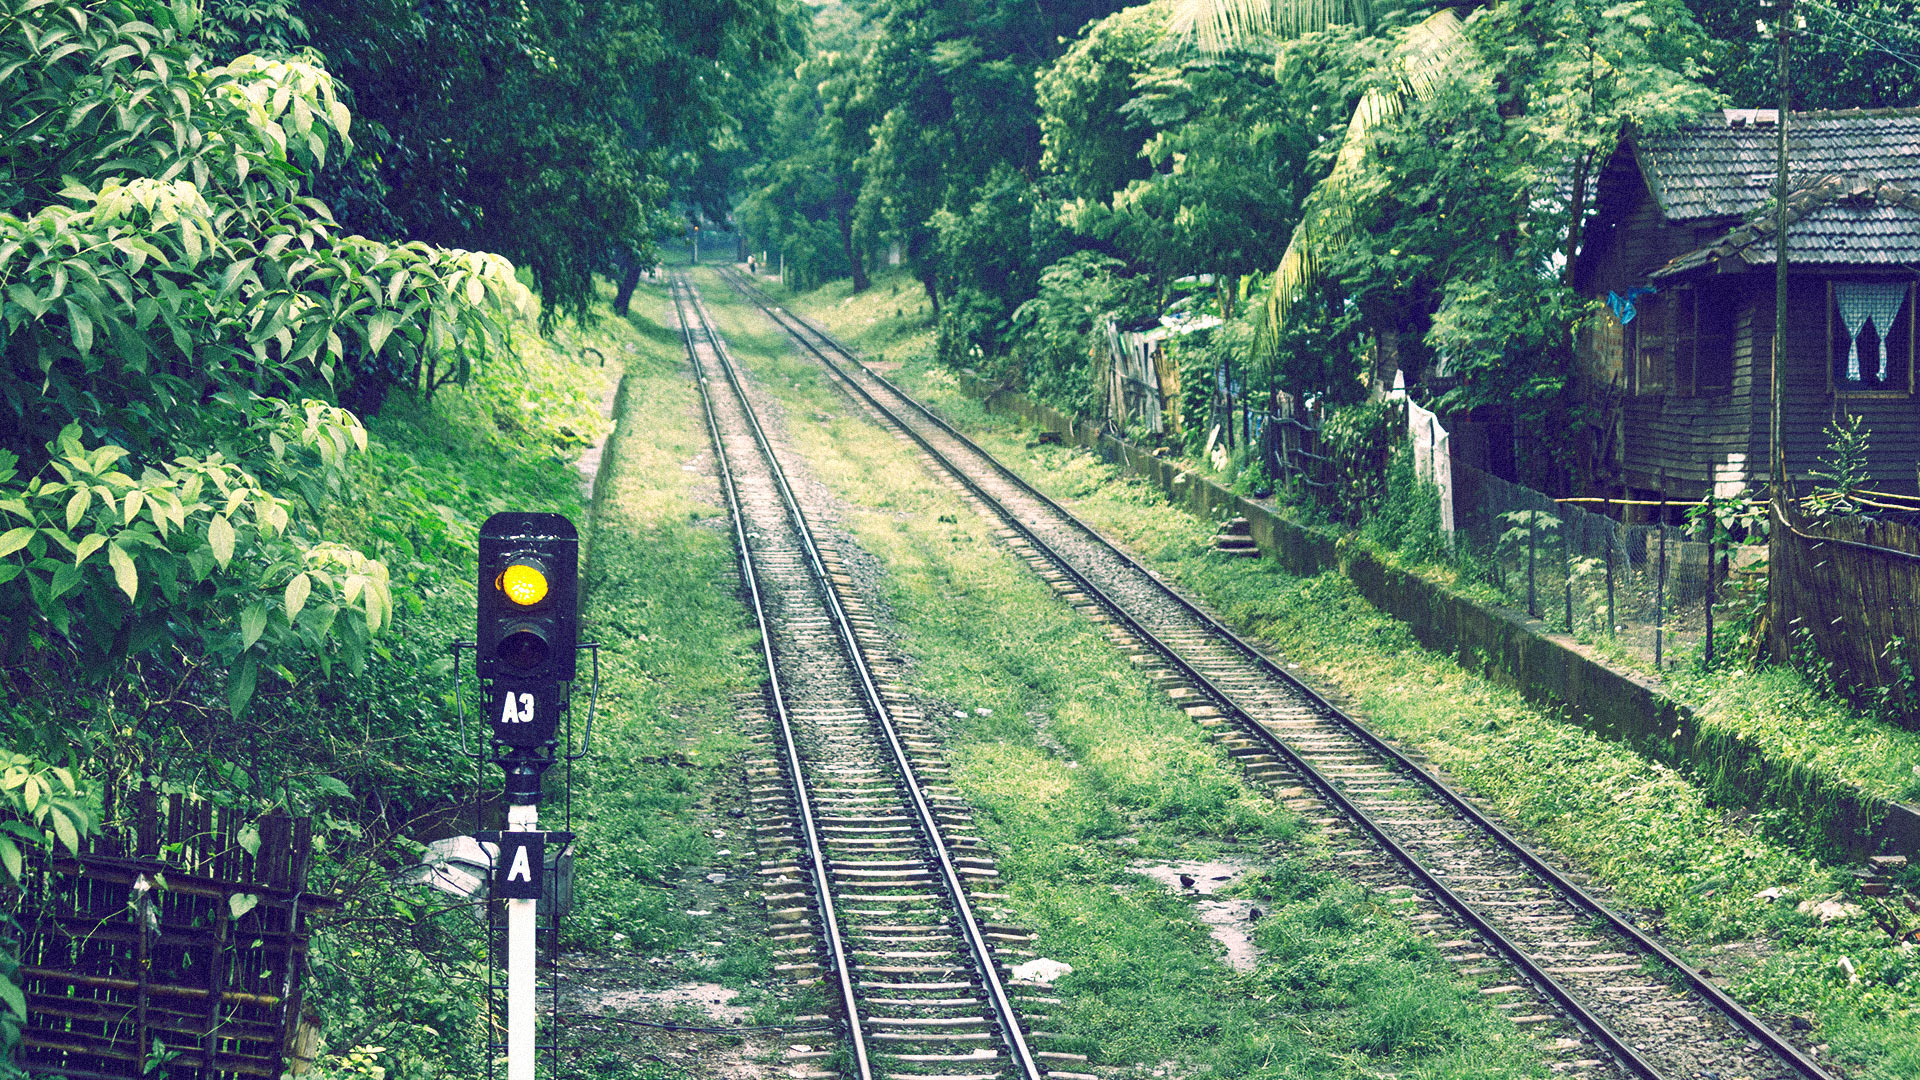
x,y
557,133
1390,169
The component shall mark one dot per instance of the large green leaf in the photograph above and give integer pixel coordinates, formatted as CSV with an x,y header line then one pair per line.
x,y
253,623
15,998
220,537
240,685
1217,26
296,597
14,539
124,573
1429,54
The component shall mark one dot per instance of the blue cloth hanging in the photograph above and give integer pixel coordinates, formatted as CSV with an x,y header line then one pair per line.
x,y
1623,305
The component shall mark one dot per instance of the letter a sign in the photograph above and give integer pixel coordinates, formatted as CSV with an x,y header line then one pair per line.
x,y
517,872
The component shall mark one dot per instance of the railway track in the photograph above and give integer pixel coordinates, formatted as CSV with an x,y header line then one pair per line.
x,y
863,860
1604,997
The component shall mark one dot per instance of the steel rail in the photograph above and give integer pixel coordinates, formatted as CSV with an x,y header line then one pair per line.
x,y
1697,983
977,947
816,858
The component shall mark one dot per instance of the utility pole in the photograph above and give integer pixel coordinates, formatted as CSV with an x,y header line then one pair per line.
x,y
1774,433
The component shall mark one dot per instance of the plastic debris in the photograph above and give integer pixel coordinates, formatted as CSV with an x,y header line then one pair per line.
x,y
1830,909
1040,972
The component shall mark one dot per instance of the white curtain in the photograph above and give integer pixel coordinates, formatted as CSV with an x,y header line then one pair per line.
x,y
1862,302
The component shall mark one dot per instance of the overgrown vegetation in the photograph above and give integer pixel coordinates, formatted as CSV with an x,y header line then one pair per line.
x,y
246,450
1842,473
1729,885
1362,188
566,135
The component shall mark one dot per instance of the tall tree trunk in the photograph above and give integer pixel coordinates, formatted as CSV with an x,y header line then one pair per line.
x,y
1576,215
928,279
843,204
629,281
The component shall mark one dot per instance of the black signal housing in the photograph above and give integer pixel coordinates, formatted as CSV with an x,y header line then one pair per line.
x,y
520,640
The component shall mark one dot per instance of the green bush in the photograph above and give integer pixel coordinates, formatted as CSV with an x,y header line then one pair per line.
x,y
1358,442
1408,520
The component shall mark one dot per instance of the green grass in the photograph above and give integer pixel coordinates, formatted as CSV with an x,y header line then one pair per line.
x,y
1684,865
1078,769
676,648
1778,709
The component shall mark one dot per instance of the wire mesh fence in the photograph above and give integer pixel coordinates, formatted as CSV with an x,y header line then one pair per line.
x,y
1652,586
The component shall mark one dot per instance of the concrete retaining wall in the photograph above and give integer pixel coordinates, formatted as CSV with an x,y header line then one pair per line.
x,y
1547,668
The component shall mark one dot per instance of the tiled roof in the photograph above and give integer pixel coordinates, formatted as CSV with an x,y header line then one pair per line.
x,y
1724,166
1842,219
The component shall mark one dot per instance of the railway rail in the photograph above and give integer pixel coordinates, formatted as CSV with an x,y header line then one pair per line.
x,y
863,853
1618,1000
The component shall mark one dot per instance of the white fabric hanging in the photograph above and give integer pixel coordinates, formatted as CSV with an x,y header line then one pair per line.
x,y
1862,302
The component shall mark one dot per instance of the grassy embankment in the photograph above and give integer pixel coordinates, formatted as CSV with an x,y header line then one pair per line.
x,y
396,975
398,982
1081,770
1686,866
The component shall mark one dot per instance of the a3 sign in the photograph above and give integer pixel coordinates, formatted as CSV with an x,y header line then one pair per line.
x,y
529,623
524,713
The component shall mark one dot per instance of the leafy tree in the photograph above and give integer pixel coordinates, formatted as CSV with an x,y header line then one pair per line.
x,y
169,285
552,131
159,250
805,190
1568,79
1226,158
1851,54
1441,197
1085,136
951,83
988,257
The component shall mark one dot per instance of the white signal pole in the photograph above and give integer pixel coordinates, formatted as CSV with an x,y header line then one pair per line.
x,y
521,959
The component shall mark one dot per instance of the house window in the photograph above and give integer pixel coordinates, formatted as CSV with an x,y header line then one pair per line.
x,y
1702,341
1870,336
1649,342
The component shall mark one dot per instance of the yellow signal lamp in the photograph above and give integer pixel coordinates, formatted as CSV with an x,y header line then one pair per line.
x,y
523,583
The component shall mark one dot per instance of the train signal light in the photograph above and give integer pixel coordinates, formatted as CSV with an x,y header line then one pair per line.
x,y
529,598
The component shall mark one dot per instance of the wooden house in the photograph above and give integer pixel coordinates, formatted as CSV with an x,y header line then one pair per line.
x,y
1681,245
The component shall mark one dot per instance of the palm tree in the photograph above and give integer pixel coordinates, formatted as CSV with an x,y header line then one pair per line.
x,y
1218,25
1428,56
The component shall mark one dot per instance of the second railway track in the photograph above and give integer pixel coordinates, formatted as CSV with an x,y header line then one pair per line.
x,y
1627,1004
870,860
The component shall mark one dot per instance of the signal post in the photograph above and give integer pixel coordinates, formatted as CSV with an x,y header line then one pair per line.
x,y
528,634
